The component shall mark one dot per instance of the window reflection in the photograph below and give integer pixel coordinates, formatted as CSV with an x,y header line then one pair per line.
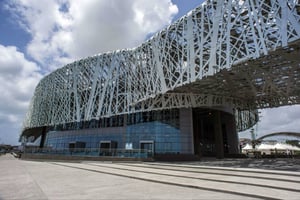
x,y
162,127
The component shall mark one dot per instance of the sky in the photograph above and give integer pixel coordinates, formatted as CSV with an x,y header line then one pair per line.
x,y
37,37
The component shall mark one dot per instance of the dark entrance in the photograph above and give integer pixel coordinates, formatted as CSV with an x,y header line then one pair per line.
x,y
214,133
76,146
204,136
147,147
108,148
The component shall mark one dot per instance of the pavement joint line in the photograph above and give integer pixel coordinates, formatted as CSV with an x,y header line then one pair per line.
x,y
205,179
172,183
230,169
217,168
36,184
246,176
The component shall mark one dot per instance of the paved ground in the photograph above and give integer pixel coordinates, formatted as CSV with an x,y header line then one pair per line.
x,y
267,163
240,179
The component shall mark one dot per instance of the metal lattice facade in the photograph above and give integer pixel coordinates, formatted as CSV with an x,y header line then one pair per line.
x,y
223,53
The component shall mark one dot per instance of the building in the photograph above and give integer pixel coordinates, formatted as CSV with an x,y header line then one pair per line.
x,y
186,90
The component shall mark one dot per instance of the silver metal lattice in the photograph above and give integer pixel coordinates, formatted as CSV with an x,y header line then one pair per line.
x,y
242,54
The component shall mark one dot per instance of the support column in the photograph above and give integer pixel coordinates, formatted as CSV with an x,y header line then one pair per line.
x,y
218,135
186,130
232,136
43,137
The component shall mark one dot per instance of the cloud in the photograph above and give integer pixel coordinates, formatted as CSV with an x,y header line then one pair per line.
x,y
64,30
18,78
285,118
282,119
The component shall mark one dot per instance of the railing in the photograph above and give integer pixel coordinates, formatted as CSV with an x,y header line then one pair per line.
x,y
92,152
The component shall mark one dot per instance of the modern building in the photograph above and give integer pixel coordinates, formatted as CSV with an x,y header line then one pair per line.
x,y
187,90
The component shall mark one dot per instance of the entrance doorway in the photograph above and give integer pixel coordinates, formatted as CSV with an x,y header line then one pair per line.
x,y
108,148
204,135
214,133
76,146
147,147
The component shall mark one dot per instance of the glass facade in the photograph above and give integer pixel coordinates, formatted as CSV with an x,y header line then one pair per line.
x,y
199,131
158,131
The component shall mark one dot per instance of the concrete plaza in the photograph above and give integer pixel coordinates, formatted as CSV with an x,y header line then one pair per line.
x,y
210,179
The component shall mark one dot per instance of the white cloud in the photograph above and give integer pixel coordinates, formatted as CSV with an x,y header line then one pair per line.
x,y
285,118
282,119
64,30
18,78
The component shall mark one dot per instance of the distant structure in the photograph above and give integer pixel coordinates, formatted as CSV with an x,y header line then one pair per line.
x,y
186,90
293,134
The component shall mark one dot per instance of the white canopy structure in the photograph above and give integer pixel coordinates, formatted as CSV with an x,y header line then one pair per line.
x,y
265,147
279,148
282,146
247,147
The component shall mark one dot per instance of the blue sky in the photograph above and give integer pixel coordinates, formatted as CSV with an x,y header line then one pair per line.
x,y
13,34
37,37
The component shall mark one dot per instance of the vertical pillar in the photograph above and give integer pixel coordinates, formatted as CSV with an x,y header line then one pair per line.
x,y
200,142
233,140
186,130
197,129
124,131
43,137
218,135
